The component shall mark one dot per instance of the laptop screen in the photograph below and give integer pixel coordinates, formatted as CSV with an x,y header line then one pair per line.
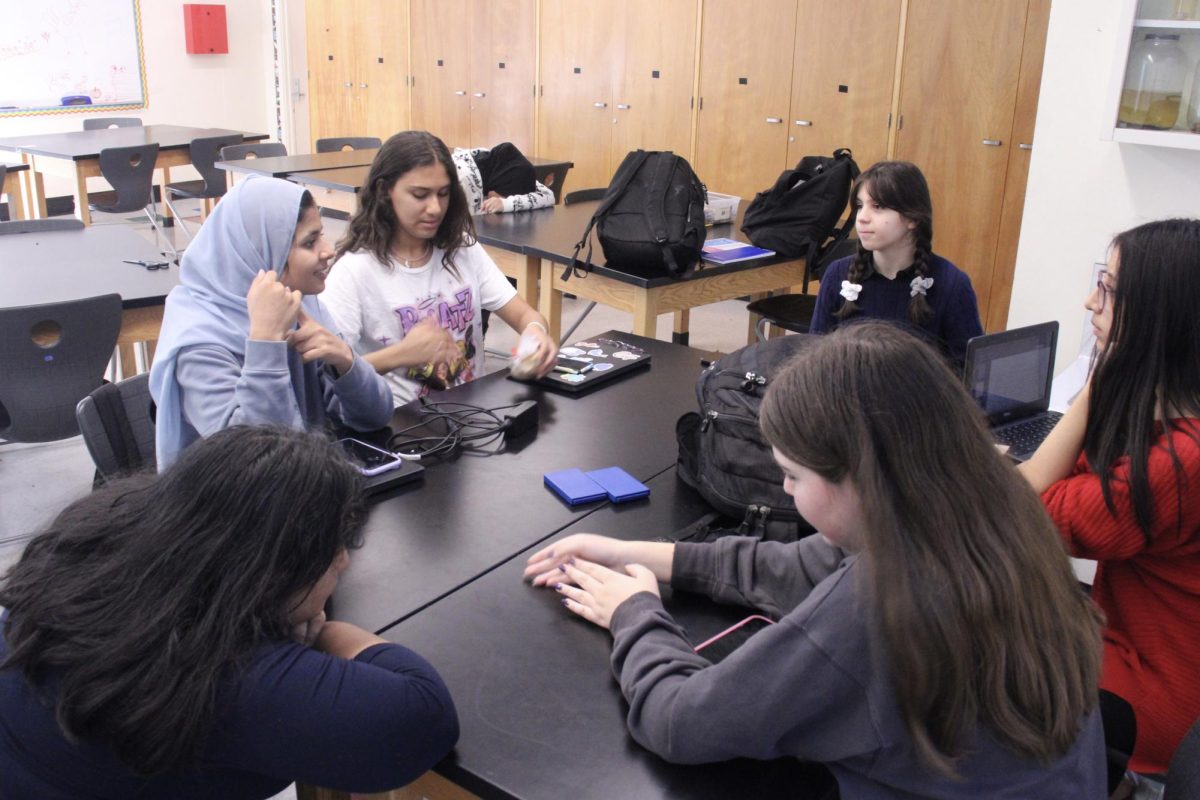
x,y
1009,374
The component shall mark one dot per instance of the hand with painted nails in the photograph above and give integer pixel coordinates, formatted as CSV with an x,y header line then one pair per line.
x,y
598,591
542,568
313,341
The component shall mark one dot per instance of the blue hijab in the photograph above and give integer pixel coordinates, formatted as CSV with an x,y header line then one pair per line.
x,y
250,229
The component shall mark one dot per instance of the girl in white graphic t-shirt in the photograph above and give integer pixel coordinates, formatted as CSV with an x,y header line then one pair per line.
x,y
411,281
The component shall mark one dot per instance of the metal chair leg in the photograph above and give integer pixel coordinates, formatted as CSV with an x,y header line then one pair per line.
x,y
577,322
160,232
178,217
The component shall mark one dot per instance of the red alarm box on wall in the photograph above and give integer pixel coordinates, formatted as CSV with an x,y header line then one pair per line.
x,y
204,29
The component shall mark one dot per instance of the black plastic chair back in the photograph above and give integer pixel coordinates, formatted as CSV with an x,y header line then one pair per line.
x,y
41,225
205,153
333,144
130,170
100,123
1183,774
51,357
237,152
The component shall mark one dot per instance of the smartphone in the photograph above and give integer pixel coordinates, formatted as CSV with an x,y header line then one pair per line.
x,y
733,637
369,460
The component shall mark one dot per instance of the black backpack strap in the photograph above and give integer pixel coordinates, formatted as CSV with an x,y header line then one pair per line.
x,y
620,183
655,201
110,407
814,266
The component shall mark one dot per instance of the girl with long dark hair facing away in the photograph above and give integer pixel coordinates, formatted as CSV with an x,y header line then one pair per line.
x,y
245,341
1120,476
165,638
931,641
411,281
895,275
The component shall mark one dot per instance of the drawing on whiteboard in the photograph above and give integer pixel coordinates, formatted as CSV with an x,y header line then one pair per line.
x,y
72,52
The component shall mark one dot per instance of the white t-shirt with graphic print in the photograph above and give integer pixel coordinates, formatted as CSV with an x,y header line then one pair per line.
x,y
375,305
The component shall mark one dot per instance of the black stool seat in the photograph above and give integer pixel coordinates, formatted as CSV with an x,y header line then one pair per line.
x,y
792,312
191,189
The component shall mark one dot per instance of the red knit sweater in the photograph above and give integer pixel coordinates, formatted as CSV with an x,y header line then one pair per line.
x,y
1150,593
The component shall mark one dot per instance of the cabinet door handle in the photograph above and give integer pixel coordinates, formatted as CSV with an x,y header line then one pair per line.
x,y
461,94
599,105
623,106
479,94
349,84
1024,146
992,142
774,120
362,86
804,123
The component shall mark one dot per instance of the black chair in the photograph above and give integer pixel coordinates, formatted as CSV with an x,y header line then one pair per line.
x,y
99,123
41,225
794,312
333,144
205,152
117,423
1183,773
130,171
237,152
51,357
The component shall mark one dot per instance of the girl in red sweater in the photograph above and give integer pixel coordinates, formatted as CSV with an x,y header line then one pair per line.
x,y
1120,475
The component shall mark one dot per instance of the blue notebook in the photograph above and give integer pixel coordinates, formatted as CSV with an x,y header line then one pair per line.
x,y
730,251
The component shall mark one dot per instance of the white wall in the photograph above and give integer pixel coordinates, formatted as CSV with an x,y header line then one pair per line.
x,y
1082,189
234,91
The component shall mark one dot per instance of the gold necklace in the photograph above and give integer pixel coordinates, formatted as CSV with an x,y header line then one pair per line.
x,y
408,261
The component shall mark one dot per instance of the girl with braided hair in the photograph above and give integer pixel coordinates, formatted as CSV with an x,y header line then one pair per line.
x,y
895,275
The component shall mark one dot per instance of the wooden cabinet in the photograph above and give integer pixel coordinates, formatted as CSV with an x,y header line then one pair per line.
x,y
358,67
784,79
473,66
843,76
745,93
614,77
956,124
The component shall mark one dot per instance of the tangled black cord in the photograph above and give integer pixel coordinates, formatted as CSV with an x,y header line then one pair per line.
x,y
463,426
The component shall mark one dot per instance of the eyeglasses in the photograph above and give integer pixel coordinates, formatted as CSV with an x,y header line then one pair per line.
x,y
1104,289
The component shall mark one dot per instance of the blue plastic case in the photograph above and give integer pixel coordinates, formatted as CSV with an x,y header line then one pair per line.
x,y
574,486
618,484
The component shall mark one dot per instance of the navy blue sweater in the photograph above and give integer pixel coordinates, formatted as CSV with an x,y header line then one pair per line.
x,y
952,299
366,725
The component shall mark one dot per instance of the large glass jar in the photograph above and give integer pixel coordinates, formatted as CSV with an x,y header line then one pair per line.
x,y
1154,82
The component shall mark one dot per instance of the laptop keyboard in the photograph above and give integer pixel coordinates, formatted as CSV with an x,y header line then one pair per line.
x,y
1025,436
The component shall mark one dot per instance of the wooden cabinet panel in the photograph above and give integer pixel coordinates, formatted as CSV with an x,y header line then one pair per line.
x,y
955,121
1028,87
383,52
652,100
581,46
503,70
441,70
332,70
842,78
745,88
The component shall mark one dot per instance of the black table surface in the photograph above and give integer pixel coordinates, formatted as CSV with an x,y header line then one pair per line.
x,y
350,178
79,145
472,513
551,233
541,715
52,266
282,166
14,167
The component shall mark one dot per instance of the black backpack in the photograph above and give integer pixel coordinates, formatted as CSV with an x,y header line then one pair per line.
x,y
651,220
798,215
722,454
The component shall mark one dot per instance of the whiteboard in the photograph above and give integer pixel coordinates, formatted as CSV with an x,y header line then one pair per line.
x,y
51,49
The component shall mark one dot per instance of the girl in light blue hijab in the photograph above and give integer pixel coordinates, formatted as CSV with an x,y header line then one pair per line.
x,y
244,340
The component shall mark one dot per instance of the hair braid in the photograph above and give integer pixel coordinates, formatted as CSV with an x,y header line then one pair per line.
x,y
919,311
861,268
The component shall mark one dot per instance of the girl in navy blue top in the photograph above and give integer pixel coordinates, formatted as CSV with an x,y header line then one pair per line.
x,y
895,276
165,638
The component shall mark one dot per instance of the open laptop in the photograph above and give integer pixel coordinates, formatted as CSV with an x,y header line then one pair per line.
x,y
1009,374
